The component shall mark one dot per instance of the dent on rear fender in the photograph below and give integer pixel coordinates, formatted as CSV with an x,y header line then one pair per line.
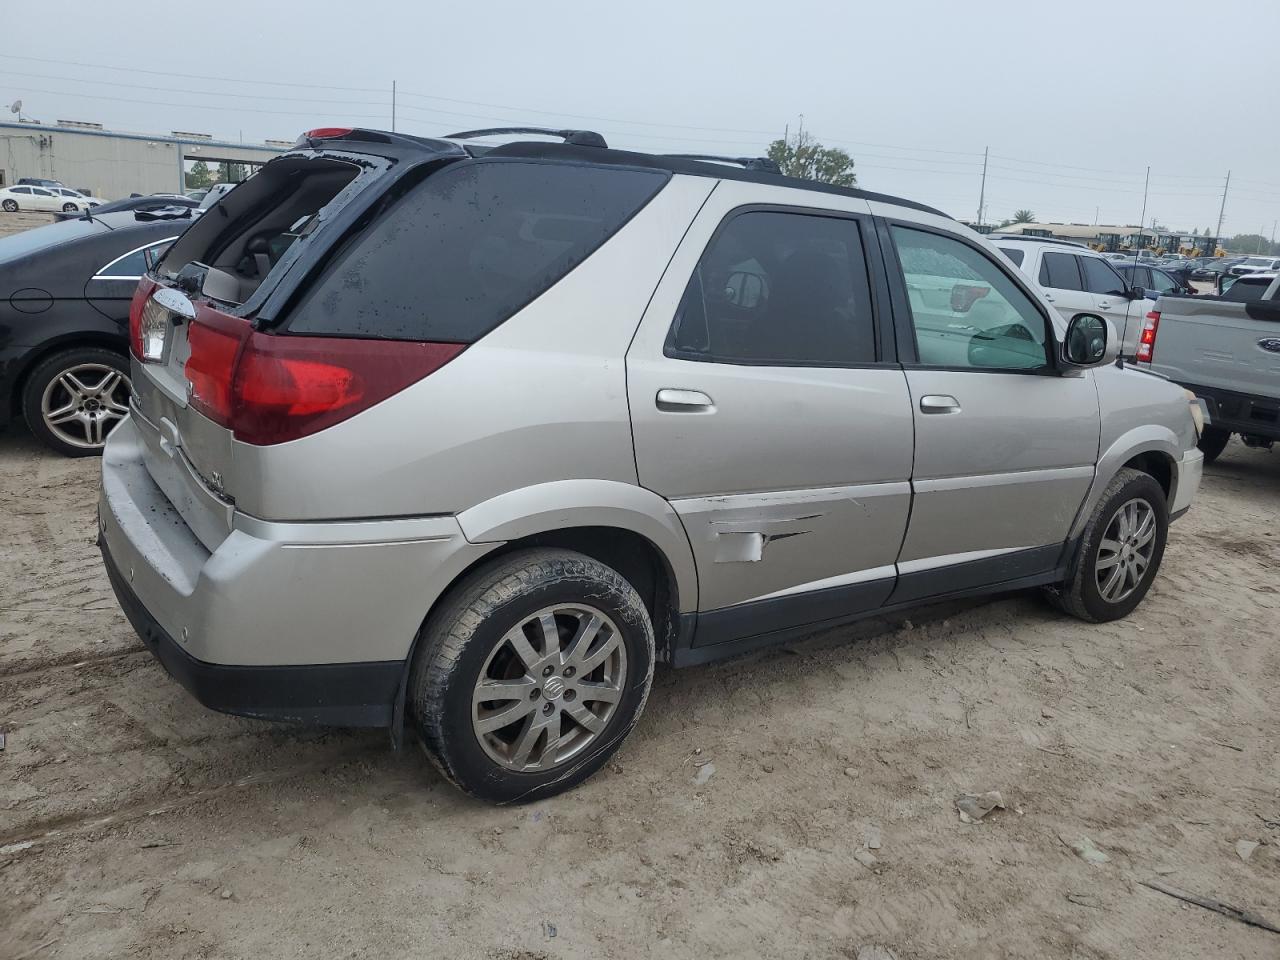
x,y
563,504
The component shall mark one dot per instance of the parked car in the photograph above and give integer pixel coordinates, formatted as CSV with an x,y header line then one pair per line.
x,y
1155,282
1254,265
39,182
468,439
64,306
1077,279
156,201
1213,267
1186,341
24,197
70,194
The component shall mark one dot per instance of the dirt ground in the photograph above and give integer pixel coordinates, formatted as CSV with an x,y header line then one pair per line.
x,y
134,823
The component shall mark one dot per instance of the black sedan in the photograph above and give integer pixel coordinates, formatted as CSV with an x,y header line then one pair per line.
x,y
1157,281
65,291
1213,268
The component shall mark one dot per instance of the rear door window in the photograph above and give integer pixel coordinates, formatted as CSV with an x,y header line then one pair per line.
x,y
470,246
789,289
1060,271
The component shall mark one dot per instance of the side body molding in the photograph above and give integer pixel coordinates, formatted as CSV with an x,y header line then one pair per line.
x,y
1148,438
560,504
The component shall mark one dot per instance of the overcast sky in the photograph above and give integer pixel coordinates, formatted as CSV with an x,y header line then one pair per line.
x,y
1074,99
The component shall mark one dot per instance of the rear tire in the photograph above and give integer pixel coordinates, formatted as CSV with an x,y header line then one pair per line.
x,y
10,206
1119,552
1212,442
505,714
73,399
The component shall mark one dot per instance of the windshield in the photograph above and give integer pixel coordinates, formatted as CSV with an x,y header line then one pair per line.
x,y
1257,262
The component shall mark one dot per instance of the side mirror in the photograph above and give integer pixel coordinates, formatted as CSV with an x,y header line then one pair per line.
x,y
1087,340
1137,293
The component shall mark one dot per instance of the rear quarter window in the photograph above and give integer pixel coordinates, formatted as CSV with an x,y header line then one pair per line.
x,y
1013,254
470,246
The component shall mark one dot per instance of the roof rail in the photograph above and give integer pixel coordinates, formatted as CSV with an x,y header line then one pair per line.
x,y
579,138
1031,238
763,164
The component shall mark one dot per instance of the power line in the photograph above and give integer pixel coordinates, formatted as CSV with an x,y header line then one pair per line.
x,y
188,76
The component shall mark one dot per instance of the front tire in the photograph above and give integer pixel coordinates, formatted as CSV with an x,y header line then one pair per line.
x,y
1119,552
1212,442
530,674
69,208
10,206
73,399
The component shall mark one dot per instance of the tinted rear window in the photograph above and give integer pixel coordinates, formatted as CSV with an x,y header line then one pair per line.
x,y
1060,271
1013,254
469,246
1247,289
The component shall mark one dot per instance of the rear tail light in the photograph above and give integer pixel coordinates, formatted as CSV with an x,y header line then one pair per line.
x,y
141,297
287,387
271,388
327,133
1147,339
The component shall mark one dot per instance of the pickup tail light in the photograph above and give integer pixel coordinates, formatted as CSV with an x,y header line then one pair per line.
x,y
271,388
1147,339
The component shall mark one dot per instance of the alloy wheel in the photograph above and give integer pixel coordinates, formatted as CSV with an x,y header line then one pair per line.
x,y
11,206
549,688
83,403
1126,550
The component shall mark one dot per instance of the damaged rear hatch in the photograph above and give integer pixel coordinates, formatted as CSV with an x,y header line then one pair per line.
x,y
197,317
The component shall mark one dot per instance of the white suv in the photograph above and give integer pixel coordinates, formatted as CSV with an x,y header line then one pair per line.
x,y
1077,279
1254,265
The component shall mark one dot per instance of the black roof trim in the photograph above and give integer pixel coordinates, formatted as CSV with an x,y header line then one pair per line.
x,y
747,163
697,168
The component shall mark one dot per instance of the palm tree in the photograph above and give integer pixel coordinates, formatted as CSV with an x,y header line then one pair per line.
x,y
1023,216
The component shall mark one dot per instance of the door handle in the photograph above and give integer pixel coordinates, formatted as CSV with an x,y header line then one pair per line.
x,y
1048,297
1104,304
939,403
675,400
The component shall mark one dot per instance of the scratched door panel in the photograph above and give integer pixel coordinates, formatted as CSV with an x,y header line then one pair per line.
x,y
763,546
787,471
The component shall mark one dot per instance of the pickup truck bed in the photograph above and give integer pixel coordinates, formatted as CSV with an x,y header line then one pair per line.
x,y
1227,352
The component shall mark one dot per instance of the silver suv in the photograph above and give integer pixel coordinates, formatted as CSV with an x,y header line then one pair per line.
x,y
466,439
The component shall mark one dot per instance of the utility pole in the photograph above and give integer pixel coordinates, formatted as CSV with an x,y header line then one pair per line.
x,y
1143,219
982,191
1222,209
393,106
1261,237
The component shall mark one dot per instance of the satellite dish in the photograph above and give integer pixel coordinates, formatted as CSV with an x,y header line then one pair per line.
x,y
15,107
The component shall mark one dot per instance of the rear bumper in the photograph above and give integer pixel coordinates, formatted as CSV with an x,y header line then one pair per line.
x,y
1240,412
300,621
336,694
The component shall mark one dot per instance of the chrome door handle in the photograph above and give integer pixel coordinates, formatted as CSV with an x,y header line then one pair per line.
x,y
939,403
675,400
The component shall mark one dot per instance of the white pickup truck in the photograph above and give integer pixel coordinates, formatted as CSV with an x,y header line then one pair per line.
x,y
1226,350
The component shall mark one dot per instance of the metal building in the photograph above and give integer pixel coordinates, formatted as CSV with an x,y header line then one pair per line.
x,y
112,165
